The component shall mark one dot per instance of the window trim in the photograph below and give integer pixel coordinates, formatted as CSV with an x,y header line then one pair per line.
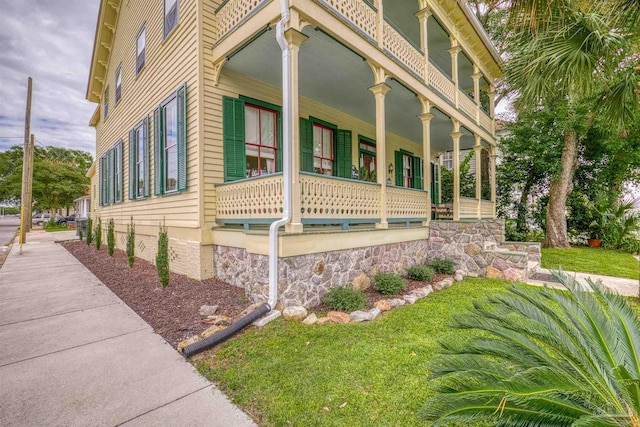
x,y
165,34
142,30
142,125
164,148
361,151
105,103
108,179
260,146
118,94
319,122
160,144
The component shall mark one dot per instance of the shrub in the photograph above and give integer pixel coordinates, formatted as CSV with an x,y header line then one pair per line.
x,y
111,237
345,299
443,266
89,231
162,258
388,283
131,243
80,233
98,234
422,273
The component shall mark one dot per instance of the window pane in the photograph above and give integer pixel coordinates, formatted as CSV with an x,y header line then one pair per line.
x,y
317,141
171,124
141,42
251,125
171,179
267,130
170,145
327,144
168,4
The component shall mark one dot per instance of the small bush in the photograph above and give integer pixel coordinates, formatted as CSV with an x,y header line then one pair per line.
x,y
80,233
98,234
89,231
443,266
111,237
422,273
388,283
162,258
345,299
131,243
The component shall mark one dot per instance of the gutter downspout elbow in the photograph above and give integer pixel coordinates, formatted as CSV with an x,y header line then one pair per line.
x,y
286,156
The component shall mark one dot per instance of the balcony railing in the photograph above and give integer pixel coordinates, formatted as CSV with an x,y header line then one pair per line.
x,y
467,105
441,83
357,12
397,44
486,121
231,13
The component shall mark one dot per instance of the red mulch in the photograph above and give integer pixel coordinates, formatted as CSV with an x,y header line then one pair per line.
x,y
171,312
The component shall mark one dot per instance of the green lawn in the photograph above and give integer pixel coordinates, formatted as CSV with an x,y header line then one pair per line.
x,y
341,375
592,260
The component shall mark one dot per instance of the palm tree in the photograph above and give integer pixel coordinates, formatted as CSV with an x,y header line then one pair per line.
x,y
544,358
563,50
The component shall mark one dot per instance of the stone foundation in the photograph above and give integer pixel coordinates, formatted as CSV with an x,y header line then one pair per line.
x,y
305,279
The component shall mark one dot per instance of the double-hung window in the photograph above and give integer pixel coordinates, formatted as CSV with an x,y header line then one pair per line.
x,y
261,134
408,170
170,144
139,161
118,93
141,45
367,151
323,155
110,179
105,102
170,16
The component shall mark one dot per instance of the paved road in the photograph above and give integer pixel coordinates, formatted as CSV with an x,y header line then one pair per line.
x,y
9,225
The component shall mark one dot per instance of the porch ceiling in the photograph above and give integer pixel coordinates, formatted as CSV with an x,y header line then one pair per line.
x,y
335,76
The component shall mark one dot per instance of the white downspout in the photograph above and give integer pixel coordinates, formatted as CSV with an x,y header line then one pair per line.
x,y
286,156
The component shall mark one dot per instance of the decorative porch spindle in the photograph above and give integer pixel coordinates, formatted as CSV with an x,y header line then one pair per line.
x,y
477,148
379,91
455,136
295,39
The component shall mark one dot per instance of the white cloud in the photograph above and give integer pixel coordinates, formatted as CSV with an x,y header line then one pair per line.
x,y
52,42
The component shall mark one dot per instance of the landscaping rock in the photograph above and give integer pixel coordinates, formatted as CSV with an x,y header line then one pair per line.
x,y
459,277
493,273
323,320
448,281
422,292
310,319
219,319
191,340
514,275
396,302
338,317
361,316
375,312
382,305
297,313
208,310
211,330
361,283
411,299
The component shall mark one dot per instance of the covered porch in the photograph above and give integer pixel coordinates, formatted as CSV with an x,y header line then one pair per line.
x,y
369,150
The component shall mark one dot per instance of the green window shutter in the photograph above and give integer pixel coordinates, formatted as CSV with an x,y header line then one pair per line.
x,y
132,165
120,166
101,179
279,149
417,173
110,177
145,133
182,138
434,183
157,151
399,179
343,154
306,145
235,158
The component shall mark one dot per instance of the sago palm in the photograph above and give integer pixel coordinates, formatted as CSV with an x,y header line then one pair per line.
x,y
543,358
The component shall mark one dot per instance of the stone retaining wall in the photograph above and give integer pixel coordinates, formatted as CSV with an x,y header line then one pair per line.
x,y
305,279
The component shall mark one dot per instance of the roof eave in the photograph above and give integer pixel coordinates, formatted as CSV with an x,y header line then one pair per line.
x,y
477,26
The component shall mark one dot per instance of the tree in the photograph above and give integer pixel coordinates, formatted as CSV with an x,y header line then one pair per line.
x,y
58,176
571,51
542,358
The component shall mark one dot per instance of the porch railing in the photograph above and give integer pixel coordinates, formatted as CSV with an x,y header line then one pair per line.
x,y
486,209
231,13
398,45
486,121
467,105
358,12
406,204
468,208
441,83
327,200
260,199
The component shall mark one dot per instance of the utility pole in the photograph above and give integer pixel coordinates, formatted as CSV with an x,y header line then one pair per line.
x,y
29,199
25,219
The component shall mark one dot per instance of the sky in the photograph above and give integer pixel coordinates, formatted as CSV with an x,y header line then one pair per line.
x,y
50,41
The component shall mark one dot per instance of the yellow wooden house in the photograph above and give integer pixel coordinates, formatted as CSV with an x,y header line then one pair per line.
x,y
189,132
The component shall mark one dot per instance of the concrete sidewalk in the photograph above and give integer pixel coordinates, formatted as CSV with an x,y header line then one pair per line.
x,y
623,286
73,354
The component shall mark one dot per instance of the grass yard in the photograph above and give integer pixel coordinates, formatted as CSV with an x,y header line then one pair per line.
x,y
592,260
366,374
56,227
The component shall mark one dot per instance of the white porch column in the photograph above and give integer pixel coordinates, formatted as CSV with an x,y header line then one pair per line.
x,y
455,136
379,91
426,155
423,16
492,163
492,108
477,148
476,90
295,39
455,49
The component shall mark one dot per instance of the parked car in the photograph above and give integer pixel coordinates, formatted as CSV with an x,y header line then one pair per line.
x,y
61,220
40,219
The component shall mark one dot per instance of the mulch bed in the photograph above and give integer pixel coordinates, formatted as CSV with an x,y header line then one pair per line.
x,y
172,312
